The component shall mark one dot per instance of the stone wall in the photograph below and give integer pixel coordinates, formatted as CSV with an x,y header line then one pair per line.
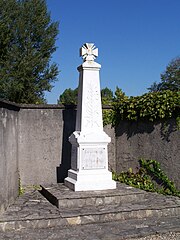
x,y
160,141
9,177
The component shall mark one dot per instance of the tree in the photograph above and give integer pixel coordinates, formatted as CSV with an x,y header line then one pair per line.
x,y
120,96
69,96
170,79
106,96
154,87
27,42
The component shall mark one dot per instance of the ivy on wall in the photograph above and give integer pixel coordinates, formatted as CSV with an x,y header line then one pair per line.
x,y
150,107
107,116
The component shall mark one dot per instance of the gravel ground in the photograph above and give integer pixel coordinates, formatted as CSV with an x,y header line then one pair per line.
x,y
84,233
166,236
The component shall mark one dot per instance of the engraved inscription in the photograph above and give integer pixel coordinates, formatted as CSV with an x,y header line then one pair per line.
x,y
93,158
93,116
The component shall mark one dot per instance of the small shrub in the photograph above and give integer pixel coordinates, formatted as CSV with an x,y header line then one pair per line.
x,y
149,177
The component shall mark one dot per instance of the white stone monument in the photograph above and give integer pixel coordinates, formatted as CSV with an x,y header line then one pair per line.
x,y
89,156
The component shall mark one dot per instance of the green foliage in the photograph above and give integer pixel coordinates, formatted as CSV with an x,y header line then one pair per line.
x,y
139,180
153,168
150,106
170,79
68,97
27,41
154,87
178,123
107,116
106,96
107,99
149,177
21,189
120,95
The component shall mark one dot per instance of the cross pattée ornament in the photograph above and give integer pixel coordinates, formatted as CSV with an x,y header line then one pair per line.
x,y
88,52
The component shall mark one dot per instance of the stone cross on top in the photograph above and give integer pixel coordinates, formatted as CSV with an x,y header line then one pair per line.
x,y
88,52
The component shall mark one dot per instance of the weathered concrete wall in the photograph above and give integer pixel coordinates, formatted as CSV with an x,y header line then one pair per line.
x,y
160,141
43,144
111,147
8,154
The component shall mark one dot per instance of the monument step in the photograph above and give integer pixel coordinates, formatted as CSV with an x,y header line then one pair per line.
x,y
148,209
122,203
119,230
62,197
32,210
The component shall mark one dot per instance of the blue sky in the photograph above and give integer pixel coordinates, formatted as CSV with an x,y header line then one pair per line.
x,y
136,41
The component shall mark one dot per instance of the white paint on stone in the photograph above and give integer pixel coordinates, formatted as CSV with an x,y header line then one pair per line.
x,y
89,156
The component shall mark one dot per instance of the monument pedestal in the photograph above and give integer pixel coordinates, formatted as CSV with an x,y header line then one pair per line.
x,y
88,162
89,156
87,180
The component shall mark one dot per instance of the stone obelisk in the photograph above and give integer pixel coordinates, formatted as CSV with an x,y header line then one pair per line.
x,y
89,155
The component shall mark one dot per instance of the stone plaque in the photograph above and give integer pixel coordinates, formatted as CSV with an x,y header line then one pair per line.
x,y
93,158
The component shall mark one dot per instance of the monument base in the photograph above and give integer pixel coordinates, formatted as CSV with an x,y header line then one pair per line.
x,y
88,180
